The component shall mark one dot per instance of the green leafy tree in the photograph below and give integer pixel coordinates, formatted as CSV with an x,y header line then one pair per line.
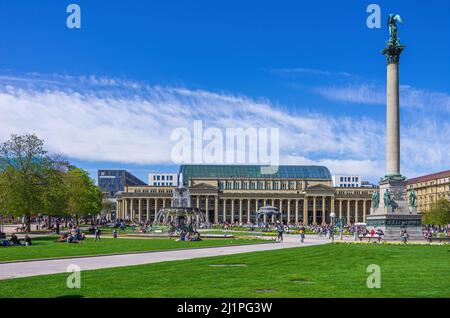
x,y
24,165
84,197
55,197
439,213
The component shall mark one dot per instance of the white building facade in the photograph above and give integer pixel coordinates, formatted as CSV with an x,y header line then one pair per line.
x,y
346,181
160,179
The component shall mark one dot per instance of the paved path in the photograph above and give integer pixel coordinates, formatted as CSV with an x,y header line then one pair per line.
x,y
46,267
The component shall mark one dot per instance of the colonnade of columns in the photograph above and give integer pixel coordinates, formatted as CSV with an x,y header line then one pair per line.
x,y
307,210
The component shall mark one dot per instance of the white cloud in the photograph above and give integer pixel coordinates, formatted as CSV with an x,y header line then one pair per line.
x,y
410,97
122,121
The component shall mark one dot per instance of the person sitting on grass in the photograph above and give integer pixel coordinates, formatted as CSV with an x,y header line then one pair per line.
x,y
14,240
196,237
72,239
27,240
62,238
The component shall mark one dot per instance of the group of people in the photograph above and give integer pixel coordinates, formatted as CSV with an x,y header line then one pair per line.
x,y
74,236
189,236
15,241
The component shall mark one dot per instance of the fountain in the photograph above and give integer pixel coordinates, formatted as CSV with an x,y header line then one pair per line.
x,y
180,214
266,211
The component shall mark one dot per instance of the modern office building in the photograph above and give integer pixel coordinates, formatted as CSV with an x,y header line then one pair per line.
x,y
159,179
111,182
233,194
346,181
430,188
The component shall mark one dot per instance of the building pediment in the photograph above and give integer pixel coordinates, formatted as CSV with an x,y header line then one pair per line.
x,y
319,188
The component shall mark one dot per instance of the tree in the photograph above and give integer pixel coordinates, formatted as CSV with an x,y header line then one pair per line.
x,y
439,214
23,165
84,197
56,195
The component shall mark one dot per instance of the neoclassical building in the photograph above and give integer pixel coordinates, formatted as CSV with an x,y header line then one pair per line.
x,y
233,194
430,188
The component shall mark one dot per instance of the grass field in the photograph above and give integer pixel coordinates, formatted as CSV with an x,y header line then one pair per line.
x,y
46,247
318,271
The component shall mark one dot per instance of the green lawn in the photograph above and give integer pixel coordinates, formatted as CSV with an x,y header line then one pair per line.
x,y
46,247
317,271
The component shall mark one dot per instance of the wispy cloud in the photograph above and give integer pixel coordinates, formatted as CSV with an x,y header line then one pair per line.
x,y
364,93
309,71
124,121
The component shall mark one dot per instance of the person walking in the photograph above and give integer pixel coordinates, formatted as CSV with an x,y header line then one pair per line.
x,y
404,235
280,231
97,233
302,234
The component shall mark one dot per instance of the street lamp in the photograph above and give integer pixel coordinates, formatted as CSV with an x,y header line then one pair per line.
x,y
332,215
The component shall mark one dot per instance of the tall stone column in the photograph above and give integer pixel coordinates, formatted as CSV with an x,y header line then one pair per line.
x,y
248,210
207,209
273,216
323,209
148,211
281,211
156,207
288,202
139,210
314,211
216,209
305,211
132,210
340,209
364,210
232,211
240,211
296,211
265,217
224,211
125,211
392,121
348,212
356,211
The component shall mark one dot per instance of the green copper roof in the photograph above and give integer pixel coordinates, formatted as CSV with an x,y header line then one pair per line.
x,y
252,171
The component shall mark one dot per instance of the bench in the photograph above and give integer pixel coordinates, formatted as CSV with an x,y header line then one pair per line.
x,y
369,237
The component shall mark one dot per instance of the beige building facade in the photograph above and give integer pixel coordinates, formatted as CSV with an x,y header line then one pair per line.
x,y
430,188
303,195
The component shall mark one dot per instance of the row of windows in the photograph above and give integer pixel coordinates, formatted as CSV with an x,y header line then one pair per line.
x,y
162,184
162,178
152,191
349,179
259,185
348,185
433,190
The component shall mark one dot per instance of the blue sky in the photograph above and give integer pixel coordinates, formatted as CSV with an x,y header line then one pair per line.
x,y
105,89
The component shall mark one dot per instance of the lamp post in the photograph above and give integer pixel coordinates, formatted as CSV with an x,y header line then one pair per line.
x,y
332,215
